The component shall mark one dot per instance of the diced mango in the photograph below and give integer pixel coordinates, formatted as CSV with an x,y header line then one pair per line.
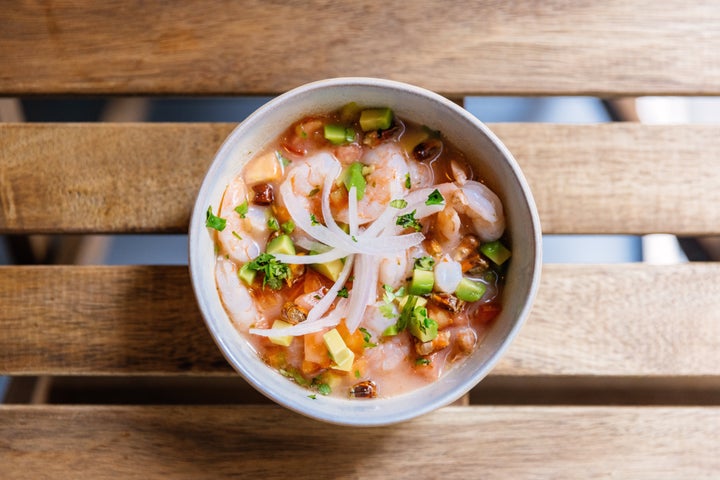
x,y
262,169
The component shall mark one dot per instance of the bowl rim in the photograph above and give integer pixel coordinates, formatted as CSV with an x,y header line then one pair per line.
x,y
197,223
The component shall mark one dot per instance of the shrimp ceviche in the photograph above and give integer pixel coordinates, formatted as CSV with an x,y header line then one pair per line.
x,y
360,254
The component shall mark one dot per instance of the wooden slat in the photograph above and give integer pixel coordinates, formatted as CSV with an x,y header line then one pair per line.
x,y
218,47
611,320
269,442
611,178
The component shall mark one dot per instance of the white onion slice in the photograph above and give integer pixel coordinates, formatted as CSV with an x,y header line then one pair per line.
x,y
324,257
324,304
303,328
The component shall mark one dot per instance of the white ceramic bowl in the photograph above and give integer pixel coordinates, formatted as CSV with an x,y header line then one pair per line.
x,y
486,153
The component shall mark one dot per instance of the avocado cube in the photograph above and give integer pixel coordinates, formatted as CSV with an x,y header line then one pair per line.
x,y
285,340
281,244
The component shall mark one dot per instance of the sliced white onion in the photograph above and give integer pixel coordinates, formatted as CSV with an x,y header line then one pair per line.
x,y
332,174
448,274
324,304
324,257
303,328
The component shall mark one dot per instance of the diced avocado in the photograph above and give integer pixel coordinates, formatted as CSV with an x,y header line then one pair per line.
x,y
285,340
335,133
339,352
495,251
354,178
421,326
410,139
469,290
422,282
263,169
281,244
246,274
376,119
349,112
421,301
329,269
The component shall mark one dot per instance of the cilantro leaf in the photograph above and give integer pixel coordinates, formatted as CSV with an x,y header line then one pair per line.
x,y
313,219
424,263
288,227
422,361
324,389
274,271
409,221
212,221
312,397
312,192
236,235
399,203
435,198
284,161
242,209
387,311
366,338
343,292
273,224
408,184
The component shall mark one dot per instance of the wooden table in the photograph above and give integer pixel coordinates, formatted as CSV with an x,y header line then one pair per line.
x,y
616,373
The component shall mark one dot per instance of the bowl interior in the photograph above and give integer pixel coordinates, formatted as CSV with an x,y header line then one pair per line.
x,y
487,155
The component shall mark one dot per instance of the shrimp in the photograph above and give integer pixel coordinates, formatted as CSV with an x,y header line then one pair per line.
x,y
234,294
242,239
385,182
479,203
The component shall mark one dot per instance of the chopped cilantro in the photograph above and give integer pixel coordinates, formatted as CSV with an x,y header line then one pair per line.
x,y
387,311
408,184
435,198
312,397
313,219
242,209
288,227
399,203
389,295
295,375
274,271
366,339
343,292
353,238
407,312
324,389
314,191
424,263
273,224
357,373
235,234
422,361
212,221
409,221
284,161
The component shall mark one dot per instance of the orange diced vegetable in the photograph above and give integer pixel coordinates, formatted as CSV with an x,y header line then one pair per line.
x,y
315,349
354,341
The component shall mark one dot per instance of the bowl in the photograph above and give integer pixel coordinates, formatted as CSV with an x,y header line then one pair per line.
x,y
483,150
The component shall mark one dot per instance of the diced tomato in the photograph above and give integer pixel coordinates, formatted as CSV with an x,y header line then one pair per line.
x,y
315,349
486,312
354,341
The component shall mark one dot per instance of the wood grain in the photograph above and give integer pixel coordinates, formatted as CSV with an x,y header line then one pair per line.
x,y
617,47
268,442
611,320
612,178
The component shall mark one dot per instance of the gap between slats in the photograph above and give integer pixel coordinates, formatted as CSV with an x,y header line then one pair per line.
x,y
610,178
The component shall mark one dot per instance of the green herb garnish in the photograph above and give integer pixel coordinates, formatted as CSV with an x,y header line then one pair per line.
x,y
435,198
343,292
389,295
235,234
424,263
387,311
324,389
213,221
409,221
408,184
274,271
242,209
288,227
273,224
399,203
314,191
295,375
312,397
313,219
284,161
357,373
422,361
366,338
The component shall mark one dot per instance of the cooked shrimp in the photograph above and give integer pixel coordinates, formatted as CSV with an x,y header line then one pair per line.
x,y
242,239
234,295
385,181
476,201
